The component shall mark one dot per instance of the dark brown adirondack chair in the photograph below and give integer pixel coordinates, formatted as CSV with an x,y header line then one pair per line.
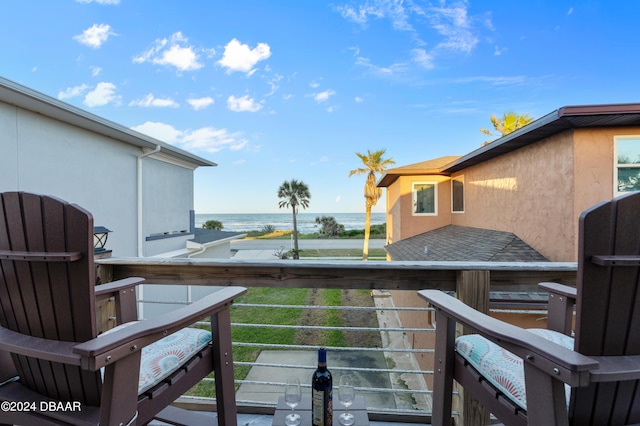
x,y
55,369
602,366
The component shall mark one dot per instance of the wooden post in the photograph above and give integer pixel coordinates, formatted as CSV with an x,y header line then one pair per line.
x,y
105,309
472,288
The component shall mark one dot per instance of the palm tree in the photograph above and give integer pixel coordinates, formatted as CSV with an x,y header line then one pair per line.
x,y
509,122
373,163
294,194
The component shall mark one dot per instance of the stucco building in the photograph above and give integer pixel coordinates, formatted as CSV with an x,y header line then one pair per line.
x,y
138,187
533,183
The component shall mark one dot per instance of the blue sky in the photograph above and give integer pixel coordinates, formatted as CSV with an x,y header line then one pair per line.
x,y
291,89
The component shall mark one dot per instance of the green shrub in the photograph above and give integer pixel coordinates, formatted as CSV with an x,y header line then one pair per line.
x,y
213,224
267,229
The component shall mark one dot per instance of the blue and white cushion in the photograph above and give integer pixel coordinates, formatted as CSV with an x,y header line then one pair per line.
x,y
162,358
500,367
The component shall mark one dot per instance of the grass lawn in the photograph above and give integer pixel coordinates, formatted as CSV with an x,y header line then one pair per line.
x,y
293,316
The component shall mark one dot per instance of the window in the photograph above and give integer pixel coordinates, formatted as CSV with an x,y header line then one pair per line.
x,y
424,198
627,170
457,194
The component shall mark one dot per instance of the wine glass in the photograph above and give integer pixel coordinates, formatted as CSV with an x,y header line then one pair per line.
x,y
346,394
292,397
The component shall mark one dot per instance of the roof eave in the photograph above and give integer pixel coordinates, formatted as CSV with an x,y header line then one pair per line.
x,y
505,144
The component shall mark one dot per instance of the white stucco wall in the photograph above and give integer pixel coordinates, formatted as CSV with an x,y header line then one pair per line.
x,y
167,197
42,155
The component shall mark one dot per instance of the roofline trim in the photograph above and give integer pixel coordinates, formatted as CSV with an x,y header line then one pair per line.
x,y
534,125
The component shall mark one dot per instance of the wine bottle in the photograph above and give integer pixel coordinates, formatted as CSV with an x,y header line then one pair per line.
x,y
322,395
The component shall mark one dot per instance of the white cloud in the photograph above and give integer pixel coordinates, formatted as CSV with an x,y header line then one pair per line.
x,y
103,94
175,52
422,58
570,11
454,24
314,84
95,71
274,83
323,96
243,104
72,92
94,36
497,51
207,139
390,70
358,99
160,131
361,14
323,159
450,27
210,139
200,103
152,101
239,57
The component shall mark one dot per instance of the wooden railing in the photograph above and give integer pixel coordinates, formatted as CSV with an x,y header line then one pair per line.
x,y
470,280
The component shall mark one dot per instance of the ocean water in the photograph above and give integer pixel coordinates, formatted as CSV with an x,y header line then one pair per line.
x,y
284,221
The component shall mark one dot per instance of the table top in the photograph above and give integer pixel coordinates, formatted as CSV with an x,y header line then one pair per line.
x,y
358,409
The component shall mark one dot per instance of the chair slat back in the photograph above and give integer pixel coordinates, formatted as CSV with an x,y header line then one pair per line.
x,y
608,308
52,300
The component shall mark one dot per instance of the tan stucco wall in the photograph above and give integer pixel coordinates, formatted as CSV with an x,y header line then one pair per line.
x,y
528,192
399,200
595,165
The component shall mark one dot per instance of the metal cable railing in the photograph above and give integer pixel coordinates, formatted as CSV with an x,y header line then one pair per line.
x,y
395,387
399,388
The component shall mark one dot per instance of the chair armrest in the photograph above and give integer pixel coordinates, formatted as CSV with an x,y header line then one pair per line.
x,y
561,301
559,362
120,343
124,293
38,347
104,291
616,368
561,289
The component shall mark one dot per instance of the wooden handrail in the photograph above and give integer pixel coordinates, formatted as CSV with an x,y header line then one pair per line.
x,y
505,276
37,256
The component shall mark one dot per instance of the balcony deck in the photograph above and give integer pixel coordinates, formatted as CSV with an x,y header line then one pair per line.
x,y
469,279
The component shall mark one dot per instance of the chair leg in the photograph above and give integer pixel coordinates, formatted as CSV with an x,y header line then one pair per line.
x,y
119,399
546,400
443,370
223,368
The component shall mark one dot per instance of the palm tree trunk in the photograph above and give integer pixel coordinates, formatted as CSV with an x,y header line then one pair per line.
x,y
367,225
295,235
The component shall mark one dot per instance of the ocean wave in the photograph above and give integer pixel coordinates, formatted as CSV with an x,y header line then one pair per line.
x,y
306,222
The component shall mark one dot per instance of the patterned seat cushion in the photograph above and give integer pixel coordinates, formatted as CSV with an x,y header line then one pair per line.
x,y
160,359
500,367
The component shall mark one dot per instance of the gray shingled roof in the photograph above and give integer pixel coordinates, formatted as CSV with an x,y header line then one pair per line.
x,y
463,243
204,236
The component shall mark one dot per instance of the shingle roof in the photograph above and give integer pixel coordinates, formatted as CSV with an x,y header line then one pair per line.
x,y
463,243
429,167
204,236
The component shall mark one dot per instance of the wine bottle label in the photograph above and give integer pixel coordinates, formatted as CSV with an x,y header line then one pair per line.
x,y
318,408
